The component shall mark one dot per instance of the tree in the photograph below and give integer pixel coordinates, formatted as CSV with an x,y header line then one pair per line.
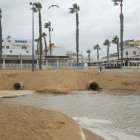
x,y
97,47
0,37
116,2
88,52
48,26
46,48
73,10
37,8
107,43
115,40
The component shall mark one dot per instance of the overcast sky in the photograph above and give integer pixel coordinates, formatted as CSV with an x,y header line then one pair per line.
x,y
99,20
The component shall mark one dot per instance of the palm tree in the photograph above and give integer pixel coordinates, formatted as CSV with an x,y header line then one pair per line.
x,y
73,10
44,37
116,2
48,25
89,51
97,47
107,43
115,40
0,37
37,8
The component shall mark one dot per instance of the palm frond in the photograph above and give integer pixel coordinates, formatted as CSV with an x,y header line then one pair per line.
x,y
106,43
96,47
71,10
47,25
34,9
116,2
88,51
75,6
115,40
37,5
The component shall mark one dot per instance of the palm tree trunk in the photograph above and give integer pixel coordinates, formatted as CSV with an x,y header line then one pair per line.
x,y
118,50
121,33
40,41
50,43
37,48
0,41
45,45
97,54
89,57
107,53
77,37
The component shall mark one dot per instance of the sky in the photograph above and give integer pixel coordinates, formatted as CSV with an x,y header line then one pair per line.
x,y
98,20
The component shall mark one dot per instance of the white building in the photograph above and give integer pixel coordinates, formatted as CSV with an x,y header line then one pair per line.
x,y
14,46
16,53
131,57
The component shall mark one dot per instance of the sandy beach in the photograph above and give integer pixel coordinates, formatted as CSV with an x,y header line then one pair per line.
x,y
64,81
30,123
35,123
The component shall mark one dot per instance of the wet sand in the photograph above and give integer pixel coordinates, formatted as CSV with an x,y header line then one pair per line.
x,y
91,136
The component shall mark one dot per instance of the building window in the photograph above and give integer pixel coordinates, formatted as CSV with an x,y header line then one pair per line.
x,y
7,47
9,40
134,52
126,53
24,47
27,51
11,51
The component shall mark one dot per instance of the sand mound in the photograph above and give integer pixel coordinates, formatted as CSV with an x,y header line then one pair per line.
x,y
64,81
19,122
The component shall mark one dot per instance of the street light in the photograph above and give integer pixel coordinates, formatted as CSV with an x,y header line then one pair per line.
x,y
32,37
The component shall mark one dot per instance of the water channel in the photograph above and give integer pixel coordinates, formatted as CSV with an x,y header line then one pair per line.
x,y
111,116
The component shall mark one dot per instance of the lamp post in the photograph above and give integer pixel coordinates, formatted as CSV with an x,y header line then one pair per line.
x,y
121,31
32,37
0,38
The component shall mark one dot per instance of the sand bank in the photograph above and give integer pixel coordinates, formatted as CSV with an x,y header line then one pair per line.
x,y
64,81
25,122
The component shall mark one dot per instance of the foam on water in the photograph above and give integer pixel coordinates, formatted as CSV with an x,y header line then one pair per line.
x,y
90,123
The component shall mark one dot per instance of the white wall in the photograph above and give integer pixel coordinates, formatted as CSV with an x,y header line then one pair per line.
x,y
130,51
15,46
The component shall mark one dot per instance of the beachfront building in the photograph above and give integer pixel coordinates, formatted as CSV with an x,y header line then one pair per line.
x,y
58,59
16,53
131,43
131,55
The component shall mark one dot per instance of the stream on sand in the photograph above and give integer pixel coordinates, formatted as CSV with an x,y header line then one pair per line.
x,y
112,117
